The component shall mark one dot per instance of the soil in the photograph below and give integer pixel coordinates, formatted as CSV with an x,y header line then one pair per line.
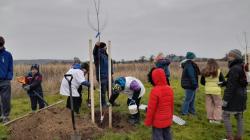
x,y
55,124
119,122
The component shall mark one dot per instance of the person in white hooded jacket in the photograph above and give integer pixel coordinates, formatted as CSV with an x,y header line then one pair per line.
x,y
78,71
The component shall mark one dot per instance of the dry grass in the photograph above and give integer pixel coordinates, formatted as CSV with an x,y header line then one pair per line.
x,y
53,74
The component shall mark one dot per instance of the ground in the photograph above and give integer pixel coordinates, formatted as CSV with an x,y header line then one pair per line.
x,y
197,127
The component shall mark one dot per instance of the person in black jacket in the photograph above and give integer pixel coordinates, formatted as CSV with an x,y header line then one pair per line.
x,y
33,86
235,94
189,82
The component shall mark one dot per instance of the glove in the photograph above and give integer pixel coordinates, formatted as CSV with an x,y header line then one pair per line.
x,y
224,103
27,87
132,102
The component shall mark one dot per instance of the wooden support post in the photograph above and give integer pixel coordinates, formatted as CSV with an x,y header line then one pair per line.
x,y
110,83
91,78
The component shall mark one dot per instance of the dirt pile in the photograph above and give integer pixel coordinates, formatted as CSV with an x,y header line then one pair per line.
x,y
52,124
55,124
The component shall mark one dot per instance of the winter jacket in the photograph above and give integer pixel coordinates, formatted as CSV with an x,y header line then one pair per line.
x,y
235,94
101,58
212,83
164,64
35,83
161,102
6,65
130,86
189,78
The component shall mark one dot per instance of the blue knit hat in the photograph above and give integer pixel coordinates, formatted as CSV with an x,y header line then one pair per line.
x,y
190,55
121,81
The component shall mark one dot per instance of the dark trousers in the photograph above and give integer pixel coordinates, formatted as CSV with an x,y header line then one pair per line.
x,y
77,101
34,99
104,89
188,104
161,133
228,125
5,95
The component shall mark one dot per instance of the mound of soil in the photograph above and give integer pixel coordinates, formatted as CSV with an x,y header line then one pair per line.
x,y
55,123
52,124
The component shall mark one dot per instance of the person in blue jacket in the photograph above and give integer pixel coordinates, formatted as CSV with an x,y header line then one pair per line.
x,y
189,82
101,62
6,75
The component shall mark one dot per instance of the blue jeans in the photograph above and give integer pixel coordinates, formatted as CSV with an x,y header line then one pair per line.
x,y
188,104
161,133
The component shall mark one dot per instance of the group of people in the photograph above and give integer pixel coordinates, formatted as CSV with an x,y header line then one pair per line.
x,y
159,112
218,108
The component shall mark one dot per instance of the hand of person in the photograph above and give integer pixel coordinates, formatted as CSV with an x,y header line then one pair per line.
x,y
26,87
224,103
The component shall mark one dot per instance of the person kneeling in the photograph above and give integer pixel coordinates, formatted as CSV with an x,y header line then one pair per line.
x,y
135,90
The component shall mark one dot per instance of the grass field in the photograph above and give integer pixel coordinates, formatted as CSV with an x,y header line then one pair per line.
x,y
197,127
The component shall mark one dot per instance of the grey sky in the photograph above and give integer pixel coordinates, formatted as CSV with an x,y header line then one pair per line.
x,y
58,29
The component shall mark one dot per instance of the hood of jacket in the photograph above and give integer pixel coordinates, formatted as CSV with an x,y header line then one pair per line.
x,y
159,77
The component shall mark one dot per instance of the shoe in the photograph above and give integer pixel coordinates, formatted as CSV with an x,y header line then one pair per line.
x,y
132,121
228,138
237,138
216,122
5,119
211,121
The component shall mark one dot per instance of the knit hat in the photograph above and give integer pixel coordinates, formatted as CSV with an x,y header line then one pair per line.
x,y
77,60
35,66
1,41
190,55
235,53
121,81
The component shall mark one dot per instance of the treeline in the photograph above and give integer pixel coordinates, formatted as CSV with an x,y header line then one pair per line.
x,y
171,57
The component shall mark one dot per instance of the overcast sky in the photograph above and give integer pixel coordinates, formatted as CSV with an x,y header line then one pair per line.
x,y
59,29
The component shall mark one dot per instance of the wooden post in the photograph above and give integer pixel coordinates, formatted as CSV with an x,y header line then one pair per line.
x,y
110,83
91,77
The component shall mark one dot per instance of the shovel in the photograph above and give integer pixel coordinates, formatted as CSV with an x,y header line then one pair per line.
x,y
88,100
75,136
40,97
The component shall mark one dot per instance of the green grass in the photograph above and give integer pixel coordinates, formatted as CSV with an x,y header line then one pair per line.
x,y
197,127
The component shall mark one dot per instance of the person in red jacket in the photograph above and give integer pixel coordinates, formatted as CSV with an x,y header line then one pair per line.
x,y
160,106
